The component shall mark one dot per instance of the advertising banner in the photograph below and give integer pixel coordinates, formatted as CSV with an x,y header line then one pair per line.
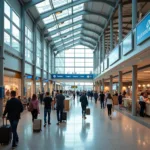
x,y
143,29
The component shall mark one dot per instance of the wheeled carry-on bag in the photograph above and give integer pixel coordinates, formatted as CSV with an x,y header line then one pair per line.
x,y
37,125
5,133
64,116
88,111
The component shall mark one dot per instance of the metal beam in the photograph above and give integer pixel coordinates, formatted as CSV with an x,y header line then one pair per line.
x,y
74,24
93,43
61,8
71,17
78,35
60,47
71,32
86,45
32,3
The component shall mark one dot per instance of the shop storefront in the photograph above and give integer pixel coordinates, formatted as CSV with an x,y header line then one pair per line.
x,y
45,84
12,81
38,85
29,86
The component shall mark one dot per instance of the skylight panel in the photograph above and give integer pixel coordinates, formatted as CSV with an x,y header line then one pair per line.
x,y
78,32
78,8
77,26
52,28
64,13
55,35
65,31
58,3
68,41
70,35
48,19
59,45
65,23
57,41
77,18
43,6
76,38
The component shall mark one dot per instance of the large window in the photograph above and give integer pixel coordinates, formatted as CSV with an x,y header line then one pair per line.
x,y
77,60
12,27
28,45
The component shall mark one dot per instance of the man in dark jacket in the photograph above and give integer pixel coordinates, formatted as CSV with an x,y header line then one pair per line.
x,y
47,108
13,110
102,97
60,106
95,96
84,104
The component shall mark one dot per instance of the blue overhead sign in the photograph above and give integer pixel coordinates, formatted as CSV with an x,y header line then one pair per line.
x,y
143,29
72,76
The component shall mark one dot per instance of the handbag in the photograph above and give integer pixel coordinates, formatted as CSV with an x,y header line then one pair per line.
x,y
30,108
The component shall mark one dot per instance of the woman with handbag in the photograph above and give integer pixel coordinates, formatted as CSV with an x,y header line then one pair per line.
x,y
34,107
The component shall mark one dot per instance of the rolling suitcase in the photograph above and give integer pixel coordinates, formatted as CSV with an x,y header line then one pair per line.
x,y
64,116
88,111
5,133
37,125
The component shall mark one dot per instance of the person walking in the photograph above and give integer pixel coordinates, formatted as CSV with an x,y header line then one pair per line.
x,y
41,97
102,97
13,110
142,104
60,98
74,95
84,104
91,95
95,96
47,108
34,107
120,100
109,102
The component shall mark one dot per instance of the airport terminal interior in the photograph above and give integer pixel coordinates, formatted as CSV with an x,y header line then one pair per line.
x,y
98,50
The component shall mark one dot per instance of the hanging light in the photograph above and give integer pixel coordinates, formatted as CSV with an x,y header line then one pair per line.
x,y
143,85
139,85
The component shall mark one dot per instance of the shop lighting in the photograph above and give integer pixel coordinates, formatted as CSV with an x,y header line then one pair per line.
x,y
59,12
143,85
139,85
129,86
148,85
147,71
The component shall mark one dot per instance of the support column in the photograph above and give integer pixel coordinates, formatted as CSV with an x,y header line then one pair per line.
x,y
23,52
134,89
110,85
134,13
42,70
120,82
103,47
120,21
34,57
103,85
48,66
111,35
1,56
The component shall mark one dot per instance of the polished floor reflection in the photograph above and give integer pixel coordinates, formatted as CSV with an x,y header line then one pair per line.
x,y
97,132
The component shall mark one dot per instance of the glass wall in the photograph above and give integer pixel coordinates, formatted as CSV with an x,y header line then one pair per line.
x,y
77,60
11,28
28,45
45,57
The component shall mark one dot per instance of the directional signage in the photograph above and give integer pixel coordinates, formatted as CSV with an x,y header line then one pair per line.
x,y
72,76
143,29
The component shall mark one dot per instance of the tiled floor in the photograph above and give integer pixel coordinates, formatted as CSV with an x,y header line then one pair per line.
x,y
97,132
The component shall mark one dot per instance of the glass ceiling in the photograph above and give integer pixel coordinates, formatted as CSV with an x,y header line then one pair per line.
x,y
56,23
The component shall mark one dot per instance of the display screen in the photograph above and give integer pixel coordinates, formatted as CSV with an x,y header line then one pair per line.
x,y
127,44
114,56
